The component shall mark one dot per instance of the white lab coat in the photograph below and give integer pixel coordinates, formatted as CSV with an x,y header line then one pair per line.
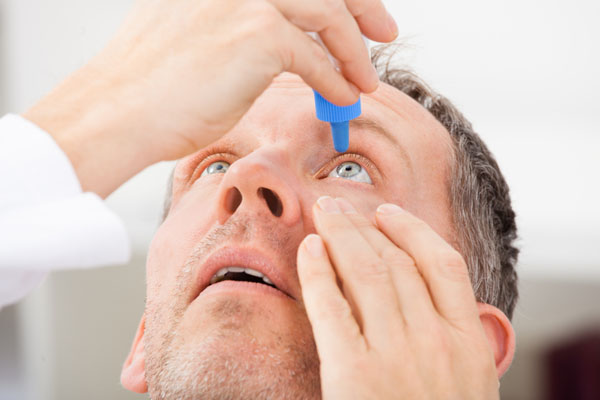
x,y
46,221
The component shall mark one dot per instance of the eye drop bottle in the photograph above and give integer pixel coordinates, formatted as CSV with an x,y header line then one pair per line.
x,y
338,117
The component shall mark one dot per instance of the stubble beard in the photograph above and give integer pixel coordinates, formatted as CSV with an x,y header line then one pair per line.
x,y
229,362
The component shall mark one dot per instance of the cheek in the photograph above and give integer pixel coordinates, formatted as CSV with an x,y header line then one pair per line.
x,y
162,263
365,200
175,240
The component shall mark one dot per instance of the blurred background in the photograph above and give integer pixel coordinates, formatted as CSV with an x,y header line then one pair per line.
x,y
525,72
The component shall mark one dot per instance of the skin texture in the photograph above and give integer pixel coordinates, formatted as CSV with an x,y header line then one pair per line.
x,y
243,343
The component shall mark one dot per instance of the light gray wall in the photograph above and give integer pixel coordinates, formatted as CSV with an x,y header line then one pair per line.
x,y
98,315
3,93
11,368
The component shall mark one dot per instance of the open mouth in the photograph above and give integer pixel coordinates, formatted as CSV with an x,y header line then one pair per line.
x,y
239,265
241,274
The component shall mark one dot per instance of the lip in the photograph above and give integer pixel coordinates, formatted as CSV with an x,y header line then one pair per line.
x,y
247,287
244,257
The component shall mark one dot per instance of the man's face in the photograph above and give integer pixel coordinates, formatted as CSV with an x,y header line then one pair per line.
x,y
236,339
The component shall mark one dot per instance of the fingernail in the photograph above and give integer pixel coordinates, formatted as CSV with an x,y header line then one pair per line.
x,y
392,26
345,205
314,246
389,209
328,205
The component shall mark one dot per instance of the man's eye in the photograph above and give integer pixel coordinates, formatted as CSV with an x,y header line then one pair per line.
x,y
351,170
218,167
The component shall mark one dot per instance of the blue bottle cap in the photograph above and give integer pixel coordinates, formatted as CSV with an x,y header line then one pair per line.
x,y
338,117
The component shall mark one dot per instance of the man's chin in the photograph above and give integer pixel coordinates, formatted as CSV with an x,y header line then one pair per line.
x,y
233,348
235,368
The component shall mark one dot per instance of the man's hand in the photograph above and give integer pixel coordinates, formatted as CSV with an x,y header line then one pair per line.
x,y
401,321
181,73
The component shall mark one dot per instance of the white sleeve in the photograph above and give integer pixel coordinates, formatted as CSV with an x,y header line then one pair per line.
x,y
46,221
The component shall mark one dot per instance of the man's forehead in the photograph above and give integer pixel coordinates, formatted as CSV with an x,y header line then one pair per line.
x,y
386,99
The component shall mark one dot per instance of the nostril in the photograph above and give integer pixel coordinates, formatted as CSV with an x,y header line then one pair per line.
x,y
233,200
273,201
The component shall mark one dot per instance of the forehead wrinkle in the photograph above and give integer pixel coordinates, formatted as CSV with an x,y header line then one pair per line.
x,y
375,128
415,116
289,123
408,109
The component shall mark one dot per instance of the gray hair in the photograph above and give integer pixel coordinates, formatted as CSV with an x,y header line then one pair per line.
x,y
481,209
480,204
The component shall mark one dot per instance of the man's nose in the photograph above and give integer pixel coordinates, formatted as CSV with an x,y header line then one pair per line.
x,y
257,183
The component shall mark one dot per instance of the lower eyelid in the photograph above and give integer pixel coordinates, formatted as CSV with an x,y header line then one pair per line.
x,y
352,185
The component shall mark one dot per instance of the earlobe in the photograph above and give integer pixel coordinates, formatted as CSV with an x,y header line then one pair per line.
x,y
132,374
500,335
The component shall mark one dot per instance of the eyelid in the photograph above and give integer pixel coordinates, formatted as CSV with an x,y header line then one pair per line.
x,y
363,161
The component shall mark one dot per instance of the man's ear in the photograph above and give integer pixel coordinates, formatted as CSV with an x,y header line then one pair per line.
x,y
132,374
500,335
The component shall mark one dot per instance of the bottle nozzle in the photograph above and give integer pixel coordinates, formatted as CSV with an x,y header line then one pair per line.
x,y
340,134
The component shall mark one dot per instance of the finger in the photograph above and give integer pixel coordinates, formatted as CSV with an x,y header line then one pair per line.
x,y
335,330
414,299
442,267
314,15
344,41
365,278
307,59
340,34
373,19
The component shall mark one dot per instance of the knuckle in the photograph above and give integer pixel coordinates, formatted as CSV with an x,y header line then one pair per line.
x,y
262,17
362,7
453,263
332,307
360,222
286,57
336,229
313,17
333,7
398,259
393,255
317,65
320,57
374,271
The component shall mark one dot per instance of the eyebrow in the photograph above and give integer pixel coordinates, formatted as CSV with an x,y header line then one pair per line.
x,y
375,127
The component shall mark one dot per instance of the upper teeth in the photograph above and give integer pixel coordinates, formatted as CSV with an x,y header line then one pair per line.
x,y
220,273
